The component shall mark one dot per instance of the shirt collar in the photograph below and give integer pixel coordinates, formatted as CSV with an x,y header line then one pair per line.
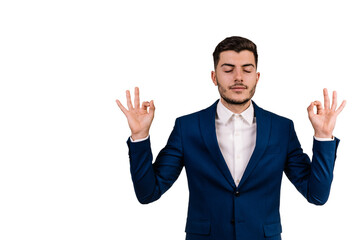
x,y
225,114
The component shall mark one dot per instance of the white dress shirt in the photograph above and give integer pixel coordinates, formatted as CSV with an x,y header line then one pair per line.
x,y
236,136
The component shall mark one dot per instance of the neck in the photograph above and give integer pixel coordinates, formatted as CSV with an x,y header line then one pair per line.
x,y
236,108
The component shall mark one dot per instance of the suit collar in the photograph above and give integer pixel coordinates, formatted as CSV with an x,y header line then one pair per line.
x,y
207,127
223,114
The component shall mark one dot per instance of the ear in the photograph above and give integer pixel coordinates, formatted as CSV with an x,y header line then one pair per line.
x,y
257,77
213,77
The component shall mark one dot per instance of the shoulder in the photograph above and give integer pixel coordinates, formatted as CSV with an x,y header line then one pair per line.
x,y
208,112
274,117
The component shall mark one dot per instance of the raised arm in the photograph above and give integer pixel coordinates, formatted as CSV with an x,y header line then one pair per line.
x,y
313,178
150,180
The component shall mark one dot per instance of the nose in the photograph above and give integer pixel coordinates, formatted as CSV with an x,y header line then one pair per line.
x,y
238,75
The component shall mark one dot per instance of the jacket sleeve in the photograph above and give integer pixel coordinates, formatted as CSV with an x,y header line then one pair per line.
x,y
152,180
311,178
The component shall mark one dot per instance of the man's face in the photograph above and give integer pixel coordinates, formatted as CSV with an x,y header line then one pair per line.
x,y
236,76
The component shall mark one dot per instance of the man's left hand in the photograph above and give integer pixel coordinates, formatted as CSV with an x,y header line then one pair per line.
x,y
323,121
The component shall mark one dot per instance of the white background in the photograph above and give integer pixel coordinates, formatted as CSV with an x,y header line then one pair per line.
x,y
64,170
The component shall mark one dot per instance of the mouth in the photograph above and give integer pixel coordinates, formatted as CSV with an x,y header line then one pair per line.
x,y
238,87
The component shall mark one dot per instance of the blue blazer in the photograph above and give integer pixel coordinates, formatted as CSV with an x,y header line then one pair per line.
x,y
219,210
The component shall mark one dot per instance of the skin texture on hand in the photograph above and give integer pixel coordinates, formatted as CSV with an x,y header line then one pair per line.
x,y
139,118
323,121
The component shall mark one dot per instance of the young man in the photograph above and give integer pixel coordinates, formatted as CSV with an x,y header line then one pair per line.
x,y
234,153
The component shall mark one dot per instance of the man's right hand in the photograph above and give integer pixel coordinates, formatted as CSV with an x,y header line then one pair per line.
x,y
139,118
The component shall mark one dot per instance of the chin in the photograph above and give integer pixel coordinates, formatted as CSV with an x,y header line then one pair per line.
x,y
236,101
240,99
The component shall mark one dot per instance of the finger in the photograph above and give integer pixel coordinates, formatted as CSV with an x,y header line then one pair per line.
x,y
319,107
326,99
334,101
152,107
137,98
128,99
341,107
310,109
145,105
122,108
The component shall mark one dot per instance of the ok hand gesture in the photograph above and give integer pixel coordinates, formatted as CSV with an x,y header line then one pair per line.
x,y
323,121
139,119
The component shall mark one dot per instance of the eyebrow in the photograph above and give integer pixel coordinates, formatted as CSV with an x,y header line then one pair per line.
x,y
232,65
248,65
228,64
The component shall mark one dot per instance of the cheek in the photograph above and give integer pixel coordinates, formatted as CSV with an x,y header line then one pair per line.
x,y
222,87
225,78
251,79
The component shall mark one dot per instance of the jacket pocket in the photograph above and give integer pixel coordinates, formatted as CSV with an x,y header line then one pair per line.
x,y
272,230
198,227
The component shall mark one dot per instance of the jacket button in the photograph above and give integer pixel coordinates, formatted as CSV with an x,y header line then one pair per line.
x,y
237,193
232,221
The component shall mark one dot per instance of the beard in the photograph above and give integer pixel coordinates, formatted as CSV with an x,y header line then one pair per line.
x,y
223,90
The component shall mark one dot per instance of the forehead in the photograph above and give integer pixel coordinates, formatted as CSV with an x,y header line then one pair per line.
x,y
237,58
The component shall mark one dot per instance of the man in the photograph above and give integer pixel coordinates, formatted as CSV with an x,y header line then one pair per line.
x,y
234,154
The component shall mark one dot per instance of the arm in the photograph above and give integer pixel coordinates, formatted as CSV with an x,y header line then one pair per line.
x,y
150,180
313,179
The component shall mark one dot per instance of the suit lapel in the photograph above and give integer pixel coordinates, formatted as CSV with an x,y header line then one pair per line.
x,y
207,127
263,126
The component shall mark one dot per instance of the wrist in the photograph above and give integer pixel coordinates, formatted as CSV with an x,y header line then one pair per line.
x,y
137,136
323,135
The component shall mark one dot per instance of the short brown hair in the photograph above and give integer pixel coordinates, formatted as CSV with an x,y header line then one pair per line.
x,y
236,44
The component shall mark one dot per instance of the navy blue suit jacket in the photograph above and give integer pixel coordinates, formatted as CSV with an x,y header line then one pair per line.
x,y
219,210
